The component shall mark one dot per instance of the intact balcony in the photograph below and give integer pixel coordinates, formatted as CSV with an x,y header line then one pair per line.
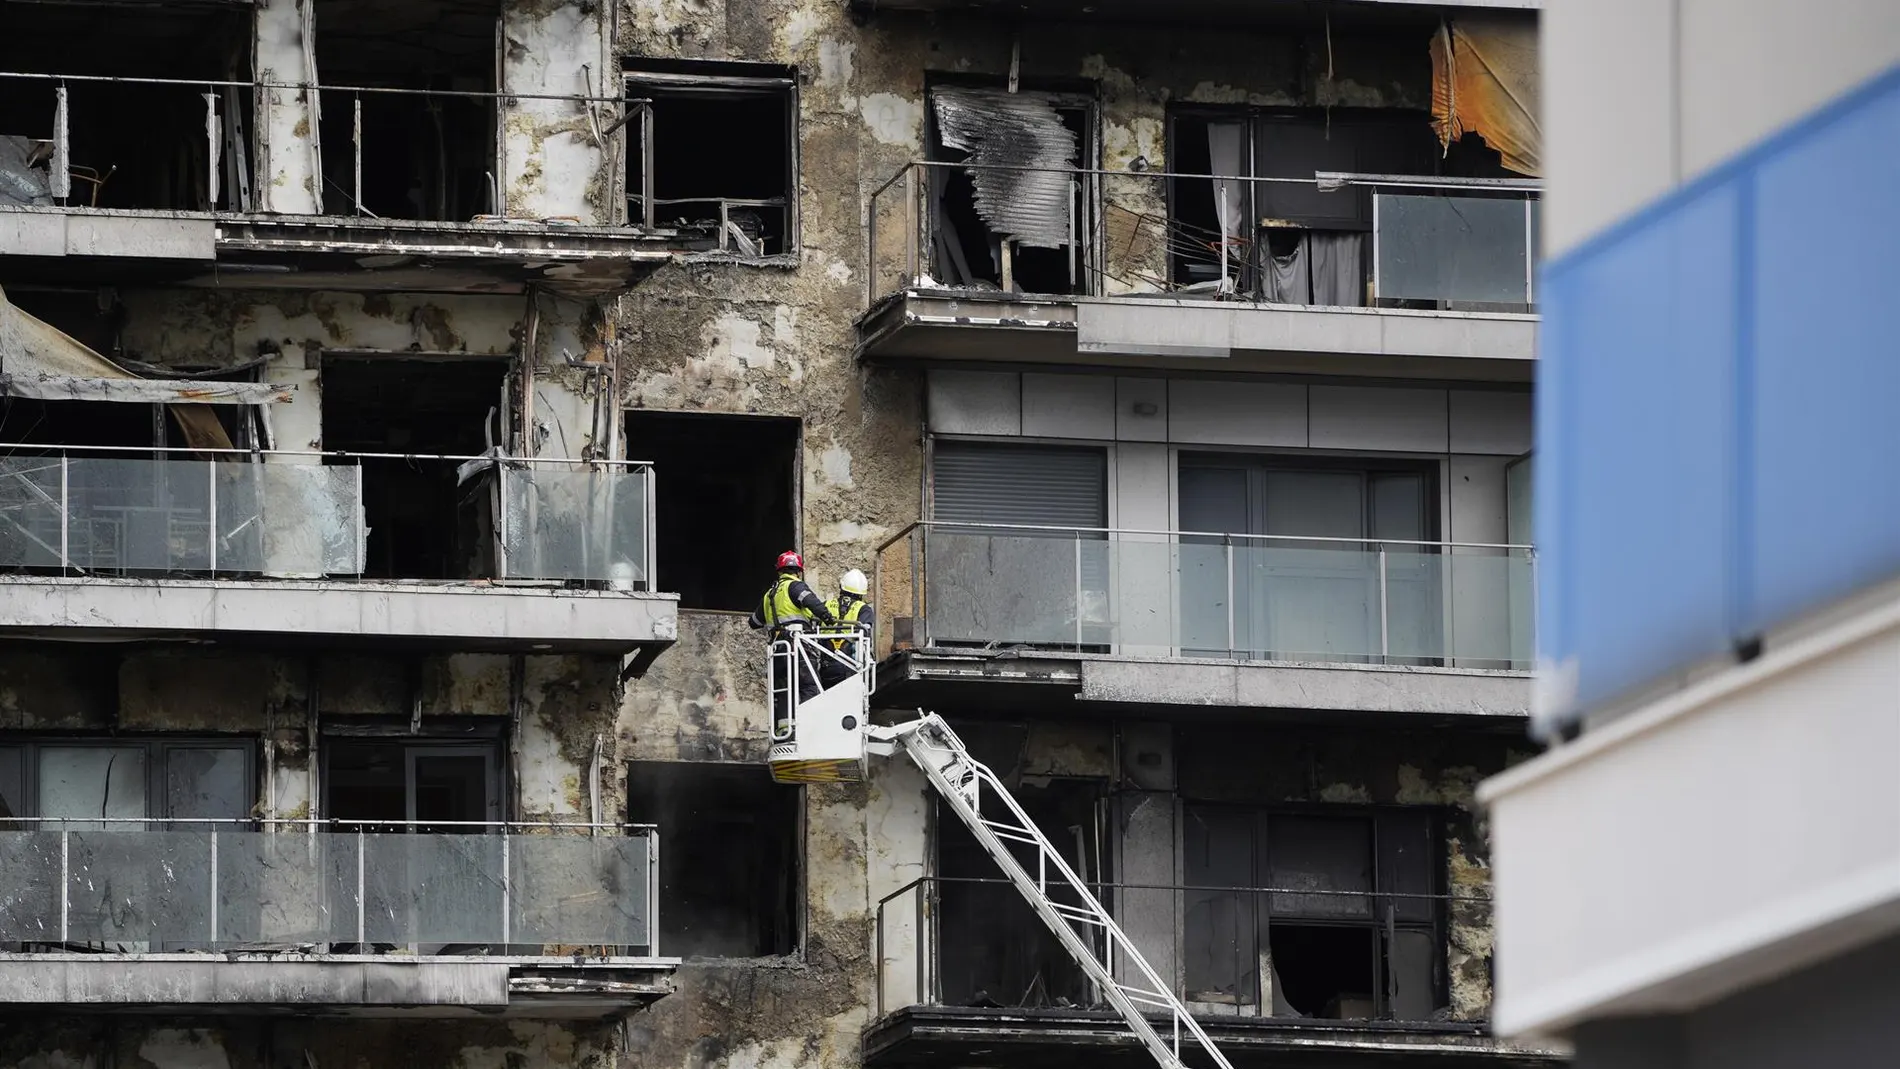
x,y
1005,618
1163,271
294,916
273,547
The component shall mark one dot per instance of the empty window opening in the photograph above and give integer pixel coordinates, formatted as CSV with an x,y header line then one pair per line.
x,y
1321,913
441,786
423,156
132,146
711,154
729,869
422,523
991,228
727,501
992,949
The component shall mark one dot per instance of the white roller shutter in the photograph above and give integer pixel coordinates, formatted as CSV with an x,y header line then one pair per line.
x,y
1053,486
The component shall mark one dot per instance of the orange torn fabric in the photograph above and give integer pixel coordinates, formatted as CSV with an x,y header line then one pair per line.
x,y
1484,81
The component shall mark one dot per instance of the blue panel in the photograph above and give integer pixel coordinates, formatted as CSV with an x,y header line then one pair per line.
x,y
1826,498
1645,363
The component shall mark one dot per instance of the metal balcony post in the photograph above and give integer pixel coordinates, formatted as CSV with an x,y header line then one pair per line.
x,y
1228,543
913,222
653,892
214,886
65,883
211,512
1078,590
1530,257
65,511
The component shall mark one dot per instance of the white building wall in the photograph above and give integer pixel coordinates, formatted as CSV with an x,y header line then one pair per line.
x,y
1643,95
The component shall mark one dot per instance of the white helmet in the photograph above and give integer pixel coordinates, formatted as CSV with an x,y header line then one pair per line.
x,y
854,583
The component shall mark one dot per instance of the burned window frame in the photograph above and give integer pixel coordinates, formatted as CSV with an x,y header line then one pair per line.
x,y
158,749
1091,248
1381,922
641,77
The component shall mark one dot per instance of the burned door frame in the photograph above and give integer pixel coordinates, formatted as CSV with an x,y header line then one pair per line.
x,y
1090,231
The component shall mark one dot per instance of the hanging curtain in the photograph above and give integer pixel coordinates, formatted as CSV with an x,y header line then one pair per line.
x,y
1225,143
1484,81
1338,269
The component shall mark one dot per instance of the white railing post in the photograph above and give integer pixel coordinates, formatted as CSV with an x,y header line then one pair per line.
x,y
65,883
1229,547
214,887
1078,591
501,521
653,892
211,512
362,926
65,511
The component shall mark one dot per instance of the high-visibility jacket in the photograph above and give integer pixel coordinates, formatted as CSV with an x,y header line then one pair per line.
x,y
779,606
846,621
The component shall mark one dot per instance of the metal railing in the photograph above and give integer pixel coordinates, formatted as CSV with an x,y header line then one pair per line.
x,y
1219,940
151,510
229,146
1211,594
150,885
1398,240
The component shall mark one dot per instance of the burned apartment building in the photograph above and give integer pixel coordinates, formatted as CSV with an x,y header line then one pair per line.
x,y
404,402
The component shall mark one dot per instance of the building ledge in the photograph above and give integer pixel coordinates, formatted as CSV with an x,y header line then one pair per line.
x,y
1017,681
352,985
463,616
1740,884
975,327
947,1036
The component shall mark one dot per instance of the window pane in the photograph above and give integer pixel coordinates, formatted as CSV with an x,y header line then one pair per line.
x,y
206,783
1406,862
1317,504
12,803
1410,959
93,782
1398,506
1220,941
1321,854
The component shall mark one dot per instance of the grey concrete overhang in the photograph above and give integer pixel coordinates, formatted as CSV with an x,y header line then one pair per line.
x,y
462,616
953,1037
964,327
344,985
1016,682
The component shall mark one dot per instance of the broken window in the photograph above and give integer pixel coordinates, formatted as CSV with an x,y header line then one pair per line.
x,y
423,523
729,863
1320,913
127,145
422,155
711,153
1016,215
992,949
726,505
86,781
1290,243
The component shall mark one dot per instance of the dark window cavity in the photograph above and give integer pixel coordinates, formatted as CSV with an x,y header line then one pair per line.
x,y
729,857
726,502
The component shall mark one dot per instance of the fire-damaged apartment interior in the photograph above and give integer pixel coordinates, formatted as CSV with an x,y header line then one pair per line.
x,y
403,405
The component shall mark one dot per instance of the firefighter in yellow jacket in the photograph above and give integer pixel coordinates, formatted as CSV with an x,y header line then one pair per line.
x,y
851,636
789,608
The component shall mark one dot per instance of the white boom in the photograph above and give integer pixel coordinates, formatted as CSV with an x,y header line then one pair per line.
x,y
966,785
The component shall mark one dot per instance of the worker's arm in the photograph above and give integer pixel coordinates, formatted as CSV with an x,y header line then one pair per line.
x,y
804,598
867,620
757,620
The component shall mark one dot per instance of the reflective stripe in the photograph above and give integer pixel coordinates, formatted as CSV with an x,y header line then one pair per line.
x,y
847,620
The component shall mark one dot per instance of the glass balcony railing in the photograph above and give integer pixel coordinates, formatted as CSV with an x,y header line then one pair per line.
x,y
1182,594
294,514
1384,241
155,886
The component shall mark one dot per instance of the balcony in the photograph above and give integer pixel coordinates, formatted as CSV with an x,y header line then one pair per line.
x,y
272,546
949,952
1439,286
327,192
167,916
1148,621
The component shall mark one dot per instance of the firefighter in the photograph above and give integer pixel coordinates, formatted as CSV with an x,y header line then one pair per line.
x,y
854,618
788,609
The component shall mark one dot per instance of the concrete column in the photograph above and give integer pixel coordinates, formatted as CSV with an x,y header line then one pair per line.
x,y
897,846
289,159
1144,842
554,163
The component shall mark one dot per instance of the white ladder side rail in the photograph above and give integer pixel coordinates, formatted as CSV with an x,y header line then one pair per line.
x,y
959,777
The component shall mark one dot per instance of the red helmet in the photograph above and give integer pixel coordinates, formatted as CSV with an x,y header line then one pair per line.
x,y
790,559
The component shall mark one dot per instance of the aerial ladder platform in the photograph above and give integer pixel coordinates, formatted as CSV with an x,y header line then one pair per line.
x,y
828,738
